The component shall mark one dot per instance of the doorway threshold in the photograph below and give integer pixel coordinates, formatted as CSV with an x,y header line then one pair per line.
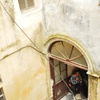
x,y
70,96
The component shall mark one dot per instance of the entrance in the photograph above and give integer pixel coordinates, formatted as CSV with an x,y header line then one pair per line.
x,y
64,57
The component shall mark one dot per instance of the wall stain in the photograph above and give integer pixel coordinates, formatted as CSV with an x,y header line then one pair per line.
x,y
24,84
10,45
38,36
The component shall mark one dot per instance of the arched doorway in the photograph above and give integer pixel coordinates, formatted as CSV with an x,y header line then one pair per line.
x,y
64,57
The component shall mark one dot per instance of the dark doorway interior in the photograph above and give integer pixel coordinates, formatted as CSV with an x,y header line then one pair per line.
x,y
60,72
78,82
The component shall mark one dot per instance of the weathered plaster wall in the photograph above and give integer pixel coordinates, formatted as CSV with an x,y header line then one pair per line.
x,y
98,89
22,70
95,30
77,19
23,77
92,87
70,17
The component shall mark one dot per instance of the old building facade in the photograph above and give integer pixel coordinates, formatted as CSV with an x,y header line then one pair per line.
x,y
42,41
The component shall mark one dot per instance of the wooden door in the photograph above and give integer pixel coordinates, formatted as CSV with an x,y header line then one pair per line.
x,y
59,73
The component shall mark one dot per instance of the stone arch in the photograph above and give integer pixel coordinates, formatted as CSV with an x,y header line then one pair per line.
x,y
81,47
78,44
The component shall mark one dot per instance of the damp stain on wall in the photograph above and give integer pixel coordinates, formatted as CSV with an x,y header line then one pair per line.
x,y
27,85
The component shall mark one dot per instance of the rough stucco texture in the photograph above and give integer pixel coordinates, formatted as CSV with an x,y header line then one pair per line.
x,y
24,77
78,19
98,90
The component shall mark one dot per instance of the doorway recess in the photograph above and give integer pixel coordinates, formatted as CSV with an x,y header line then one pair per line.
x,y
65,57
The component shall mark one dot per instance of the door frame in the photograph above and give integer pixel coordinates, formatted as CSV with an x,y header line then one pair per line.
x,y
77,43
65,61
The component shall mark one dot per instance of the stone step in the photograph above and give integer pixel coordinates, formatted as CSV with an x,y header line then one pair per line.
x,y
69,96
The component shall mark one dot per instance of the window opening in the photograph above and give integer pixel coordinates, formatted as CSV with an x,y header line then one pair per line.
x,y
60,69
2,97
26,4
68,54
99,2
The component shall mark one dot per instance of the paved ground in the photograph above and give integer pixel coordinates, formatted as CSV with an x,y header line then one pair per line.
x,y
69,96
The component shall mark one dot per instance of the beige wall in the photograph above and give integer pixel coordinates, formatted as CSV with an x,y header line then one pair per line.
x,y
78,20
22,68
98,89
24,76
